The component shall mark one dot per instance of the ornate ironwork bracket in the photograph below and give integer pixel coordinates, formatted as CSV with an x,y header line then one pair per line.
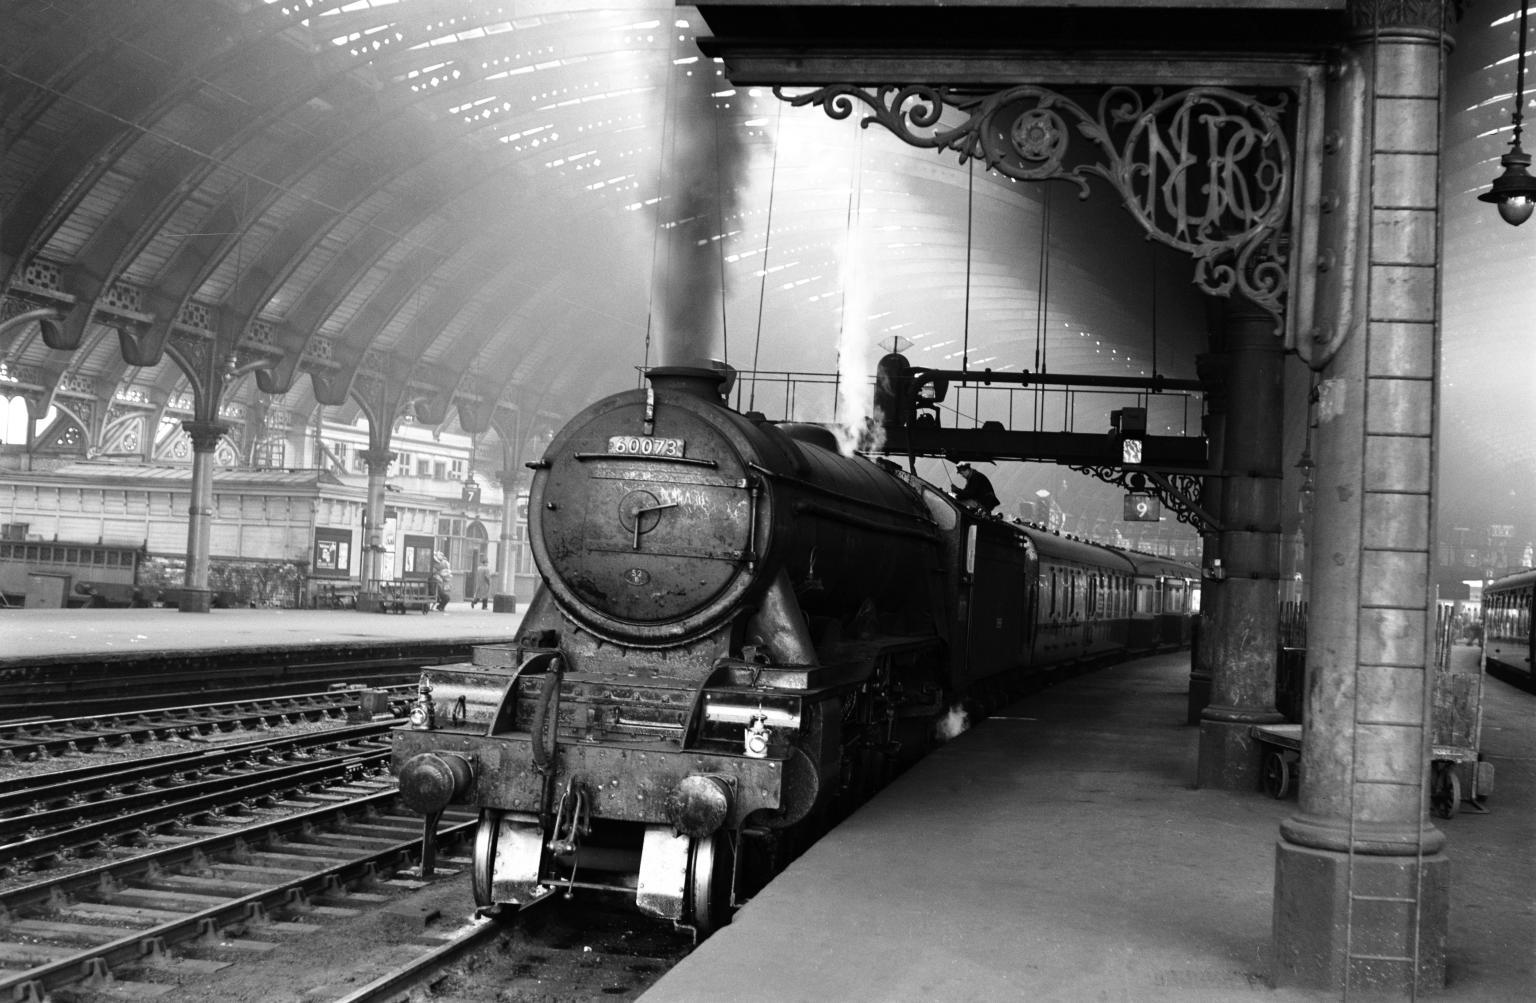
x,y
1206,170
1180,492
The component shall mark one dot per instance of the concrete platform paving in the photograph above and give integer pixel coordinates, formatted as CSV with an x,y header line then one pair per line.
x,y
32,633
1059,852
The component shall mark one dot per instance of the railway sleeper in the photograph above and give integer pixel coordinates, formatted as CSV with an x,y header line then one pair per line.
x,y
211,938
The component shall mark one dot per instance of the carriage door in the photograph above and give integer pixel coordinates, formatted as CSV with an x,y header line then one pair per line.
x,y
1090,615
1000,578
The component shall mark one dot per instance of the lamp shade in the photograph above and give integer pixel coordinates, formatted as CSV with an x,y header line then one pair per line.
x,y
1514,191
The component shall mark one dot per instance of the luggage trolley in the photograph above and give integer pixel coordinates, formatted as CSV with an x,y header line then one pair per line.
x,y
1458,774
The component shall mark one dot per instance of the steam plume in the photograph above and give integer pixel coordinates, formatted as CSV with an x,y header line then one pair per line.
x,y
951,725
856,427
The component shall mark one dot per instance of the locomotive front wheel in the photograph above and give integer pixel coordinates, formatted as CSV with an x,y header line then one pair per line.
x,y
1277,774
484,864
1444,790
709,883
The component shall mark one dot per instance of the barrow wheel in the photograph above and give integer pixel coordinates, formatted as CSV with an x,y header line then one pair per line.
x,y
1445,790
1277,774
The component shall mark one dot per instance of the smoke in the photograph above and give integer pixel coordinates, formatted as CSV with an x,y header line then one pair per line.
x,y
703,172
953,724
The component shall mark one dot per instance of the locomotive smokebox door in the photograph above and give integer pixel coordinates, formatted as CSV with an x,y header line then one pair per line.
x,y
646,532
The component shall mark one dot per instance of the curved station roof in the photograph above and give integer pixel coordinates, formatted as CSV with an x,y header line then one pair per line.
x,y
465,211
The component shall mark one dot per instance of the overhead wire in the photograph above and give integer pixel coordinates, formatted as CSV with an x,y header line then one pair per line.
x,y
762,286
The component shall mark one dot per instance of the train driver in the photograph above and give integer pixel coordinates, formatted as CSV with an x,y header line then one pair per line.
x,y
976,493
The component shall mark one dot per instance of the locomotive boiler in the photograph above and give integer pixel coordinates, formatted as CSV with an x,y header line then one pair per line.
x,y
737,625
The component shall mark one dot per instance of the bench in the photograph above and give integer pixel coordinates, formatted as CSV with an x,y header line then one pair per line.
x,y
336,595
397,595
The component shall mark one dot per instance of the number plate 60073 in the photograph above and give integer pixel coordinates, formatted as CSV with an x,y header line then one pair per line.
x,y
645,445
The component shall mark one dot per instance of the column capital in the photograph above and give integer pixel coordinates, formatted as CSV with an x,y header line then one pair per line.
x,y
378,460
205,435
508,479
1427,18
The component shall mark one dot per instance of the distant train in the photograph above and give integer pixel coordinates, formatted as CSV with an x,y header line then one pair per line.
x,y
1508,624
57,574
60,574
741,634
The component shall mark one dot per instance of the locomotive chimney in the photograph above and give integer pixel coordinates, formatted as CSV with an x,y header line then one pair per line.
x,y
712,384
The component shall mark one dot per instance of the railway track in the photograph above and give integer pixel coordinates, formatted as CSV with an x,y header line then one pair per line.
x,y
112,807
416,973
586,948
44,738
170,873
226,893
116,684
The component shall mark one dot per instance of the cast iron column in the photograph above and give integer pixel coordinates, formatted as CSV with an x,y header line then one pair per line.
x,y
1361,884
378,461
1210,367
506,568
1241,633
196,596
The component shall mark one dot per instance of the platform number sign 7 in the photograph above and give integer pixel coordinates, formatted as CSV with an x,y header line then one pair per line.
x,y
1142,508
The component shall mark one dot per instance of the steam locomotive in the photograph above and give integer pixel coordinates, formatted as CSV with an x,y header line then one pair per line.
x,y
741,634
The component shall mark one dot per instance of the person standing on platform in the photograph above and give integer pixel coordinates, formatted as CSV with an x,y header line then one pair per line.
x,y
482,586
442,577
976,493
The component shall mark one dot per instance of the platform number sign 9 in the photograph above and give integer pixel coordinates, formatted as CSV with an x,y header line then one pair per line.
x,y
1142,508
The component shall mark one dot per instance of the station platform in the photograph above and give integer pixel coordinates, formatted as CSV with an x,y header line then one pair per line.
x,y
46,634
1058,851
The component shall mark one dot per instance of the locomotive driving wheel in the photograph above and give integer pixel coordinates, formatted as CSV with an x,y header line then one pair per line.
x,y
709,883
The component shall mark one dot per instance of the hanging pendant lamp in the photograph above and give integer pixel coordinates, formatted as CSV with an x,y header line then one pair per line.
x,y
1514,191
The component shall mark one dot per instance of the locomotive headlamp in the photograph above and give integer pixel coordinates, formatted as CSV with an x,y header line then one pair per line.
x,y
699,805
423,713
1514,191
431,781
754,739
